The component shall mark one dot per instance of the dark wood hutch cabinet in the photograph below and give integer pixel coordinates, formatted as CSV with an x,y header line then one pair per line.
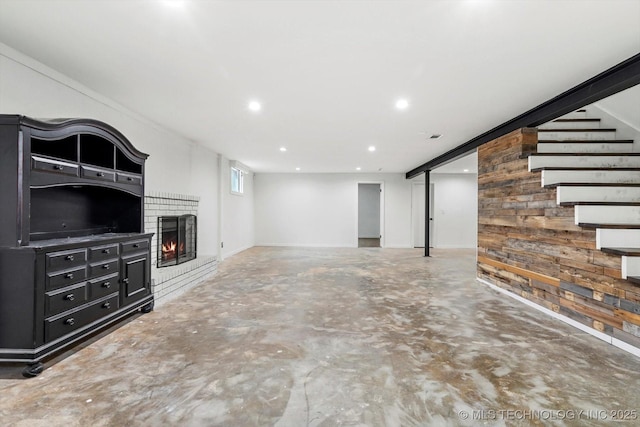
x,y
74,257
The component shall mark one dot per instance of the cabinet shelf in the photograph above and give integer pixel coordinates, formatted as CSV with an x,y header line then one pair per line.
x,y
77,158
97,151
63,149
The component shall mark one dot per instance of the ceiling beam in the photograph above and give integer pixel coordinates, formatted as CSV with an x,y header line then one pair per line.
x,y
616,79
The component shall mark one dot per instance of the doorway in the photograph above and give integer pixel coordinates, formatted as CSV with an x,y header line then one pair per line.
x,y
369,215
417,214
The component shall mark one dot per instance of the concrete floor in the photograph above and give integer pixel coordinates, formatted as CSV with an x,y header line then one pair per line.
x,y
330,337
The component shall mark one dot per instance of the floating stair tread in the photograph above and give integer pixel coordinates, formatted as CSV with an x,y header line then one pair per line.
x,y
614,195
622,251
582,168
585,141
598,184
584,154
602,225
571,123
578,119
584,161
578,130
600,203
583,183
634,279
594,184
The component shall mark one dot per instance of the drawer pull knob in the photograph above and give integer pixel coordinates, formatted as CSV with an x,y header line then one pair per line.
x,y
68,276
129,178
105,251
136,245
70,321
106,266
69,258
106,285
69,297
101,174
106,305
58,167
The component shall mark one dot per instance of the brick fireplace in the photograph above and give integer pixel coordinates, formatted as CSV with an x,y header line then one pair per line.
x,y
178,213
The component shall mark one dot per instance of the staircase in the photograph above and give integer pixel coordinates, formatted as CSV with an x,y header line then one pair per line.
x,y
600,176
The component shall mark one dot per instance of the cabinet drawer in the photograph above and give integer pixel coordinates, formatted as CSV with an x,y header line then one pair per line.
x,y
124,178
99,253
102,268
65,323
65,259
103,286
99,174
135,246
65,278
48,165
65,299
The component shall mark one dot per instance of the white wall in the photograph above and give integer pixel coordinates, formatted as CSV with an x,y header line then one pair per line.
x,y
455,210
455,213
620,111
30,88
237,213
204,183
322,209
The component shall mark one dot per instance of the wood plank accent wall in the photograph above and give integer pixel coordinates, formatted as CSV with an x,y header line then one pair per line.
x,y
530,246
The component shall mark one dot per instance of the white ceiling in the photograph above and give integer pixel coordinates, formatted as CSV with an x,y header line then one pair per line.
x,y
327,72
466,164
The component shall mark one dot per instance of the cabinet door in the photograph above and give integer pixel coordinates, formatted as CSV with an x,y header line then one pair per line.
x,y
136,280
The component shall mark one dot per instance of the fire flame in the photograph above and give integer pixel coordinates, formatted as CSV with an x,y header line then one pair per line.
x,y
169,249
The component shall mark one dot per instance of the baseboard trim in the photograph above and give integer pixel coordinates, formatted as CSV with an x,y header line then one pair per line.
x,y
322,245
604,337
299,245
237,251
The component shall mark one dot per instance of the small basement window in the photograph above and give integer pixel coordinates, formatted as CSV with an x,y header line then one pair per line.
x,y
237,181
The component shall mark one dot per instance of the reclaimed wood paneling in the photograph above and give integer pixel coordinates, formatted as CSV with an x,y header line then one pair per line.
x,y
529,245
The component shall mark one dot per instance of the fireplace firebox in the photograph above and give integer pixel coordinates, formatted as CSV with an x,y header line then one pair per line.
x,y
176,239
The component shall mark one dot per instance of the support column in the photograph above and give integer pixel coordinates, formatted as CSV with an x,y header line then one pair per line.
x,y
427,211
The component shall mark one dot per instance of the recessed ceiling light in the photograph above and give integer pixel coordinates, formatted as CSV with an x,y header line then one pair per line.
x,y
466,170
372,148
255,106
283,149
358,168
297,169
402,104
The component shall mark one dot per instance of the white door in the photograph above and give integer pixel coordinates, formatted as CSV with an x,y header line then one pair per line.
x,y
369,211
